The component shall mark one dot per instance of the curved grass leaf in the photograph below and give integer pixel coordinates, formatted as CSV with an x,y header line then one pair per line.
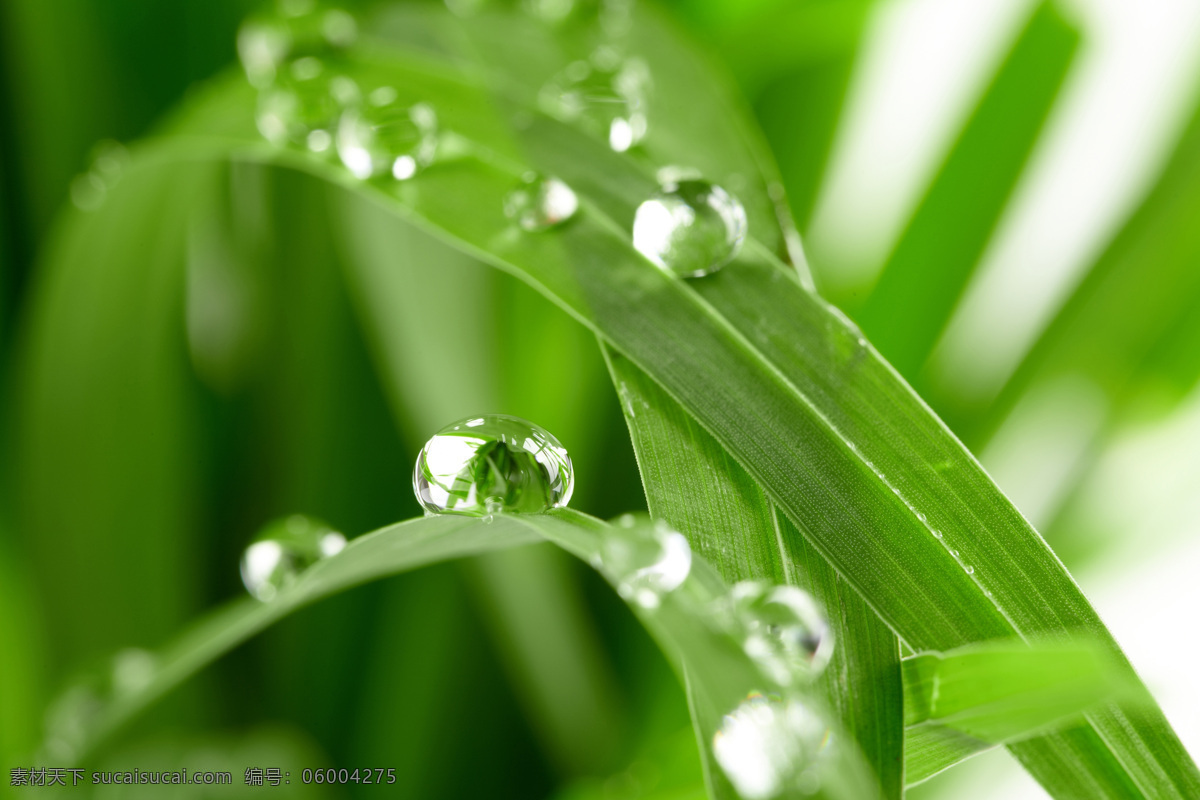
x,y
854,459
719,673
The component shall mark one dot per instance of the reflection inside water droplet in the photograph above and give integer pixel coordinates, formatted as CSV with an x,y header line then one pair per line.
x,y
540,203
493,464
283,550
690,228
771,747
646,561
781,629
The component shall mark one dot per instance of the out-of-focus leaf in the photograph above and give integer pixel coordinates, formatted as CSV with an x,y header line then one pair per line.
x,y
105,419
931,264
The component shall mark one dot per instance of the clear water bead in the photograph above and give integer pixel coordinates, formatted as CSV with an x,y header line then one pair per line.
x,y
302,107
645,561
493,464
385,137
690,228
296,30
771,747
540,203
780,628
605,94
284,549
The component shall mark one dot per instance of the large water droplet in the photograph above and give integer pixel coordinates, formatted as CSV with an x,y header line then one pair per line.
x,y
645,561
302,107
781,628
387,137
493,464
605,94
771,747
690,228
283,550
297,30
540,202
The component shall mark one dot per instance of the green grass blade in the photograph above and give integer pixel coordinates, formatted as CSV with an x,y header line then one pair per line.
x,y
965,701
693,484
926,273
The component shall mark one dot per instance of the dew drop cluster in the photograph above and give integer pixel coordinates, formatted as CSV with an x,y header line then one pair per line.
x,y
293,58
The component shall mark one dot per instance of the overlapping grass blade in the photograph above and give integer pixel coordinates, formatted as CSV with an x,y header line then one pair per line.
x,y
692,483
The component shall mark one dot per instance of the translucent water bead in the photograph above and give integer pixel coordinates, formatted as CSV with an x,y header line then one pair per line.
x,y
780,628
605,94
386,137
492,464
302,107
646,560
540,203
296,29
283,550
771,747
690,228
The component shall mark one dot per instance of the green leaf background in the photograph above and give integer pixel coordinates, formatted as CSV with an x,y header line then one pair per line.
x,y
237,333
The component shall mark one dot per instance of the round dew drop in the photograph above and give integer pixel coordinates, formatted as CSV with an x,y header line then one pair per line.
x,y
605,94
540,203
384,137
780,628
646,561
283,550
492,464
301,109
772,747
690,228
265,42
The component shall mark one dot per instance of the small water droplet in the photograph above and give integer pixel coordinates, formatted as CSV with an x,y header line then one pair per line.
x,y
937,534
132,670
970,570
771,747
540,203
493,464
387,137
954,553
605,94
690,228
265,42
780,628
921,516
283,550
552,11
303,105
645,561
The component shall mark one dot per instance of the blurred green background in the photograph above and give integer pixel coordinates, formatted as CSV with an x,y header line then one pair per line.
x,y
1002,194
